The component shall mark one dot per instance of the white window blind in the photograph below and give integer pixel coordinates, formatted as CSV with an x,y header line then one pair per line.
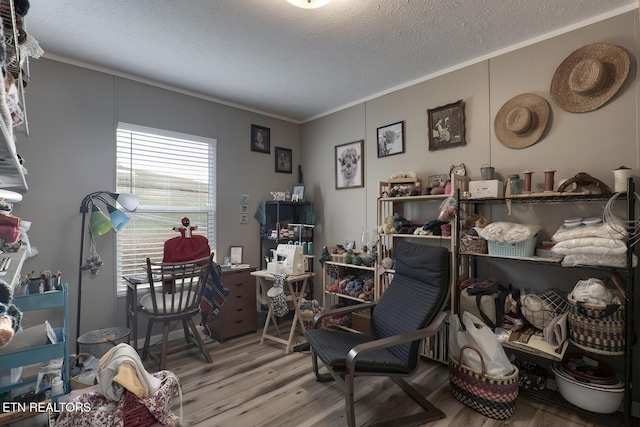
x,y
174,176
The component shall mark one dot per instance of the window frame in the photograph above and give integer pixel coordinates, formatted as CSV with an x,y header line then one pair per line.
x,y
210,210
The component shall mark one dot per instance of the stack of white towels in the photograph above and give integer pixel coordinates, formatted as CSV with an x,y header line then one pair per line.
x,y
603,244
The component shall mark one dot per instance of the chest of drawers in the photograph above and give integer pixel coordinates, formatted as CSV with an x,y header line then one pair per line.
x,y
238,314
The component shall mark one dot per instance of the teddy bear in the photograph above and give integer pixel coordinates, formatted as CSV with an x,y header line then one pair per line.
x,y
387,227
367,290
10,316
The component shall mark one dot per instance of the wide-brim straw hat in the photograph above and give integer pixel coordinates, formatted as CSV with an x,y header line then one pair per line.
x,y
521,121
589,77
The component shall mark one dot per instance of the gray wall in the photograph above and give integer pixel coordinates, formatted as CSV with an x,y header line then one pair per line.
x,y
595,142
70,152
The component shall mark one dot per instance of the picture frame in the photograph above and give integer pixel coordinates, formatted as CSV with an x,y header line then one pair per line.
x,y
349,164
284,160
244,218
297,195
260,139
446,126
244,208
244,199
235,254
390,139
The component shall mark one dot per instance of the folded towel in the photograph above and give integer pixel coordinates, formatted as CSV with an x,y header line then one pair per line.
x,y
509,232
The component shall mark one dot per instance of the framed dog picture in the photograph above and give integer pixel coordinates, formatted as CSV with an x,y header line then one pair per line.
x,y
350,165
446,126
391,139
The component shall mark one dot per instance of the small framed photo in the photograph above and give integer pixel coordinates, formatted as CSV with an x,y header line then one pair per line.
x,y
244,208
391,139
298,193
446,126
284,157
349,163
244,218
235,254
244,199
260,139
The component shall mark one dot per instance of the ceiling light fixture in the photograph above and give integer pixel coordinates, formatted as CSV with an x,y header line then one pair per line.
x,y
309,4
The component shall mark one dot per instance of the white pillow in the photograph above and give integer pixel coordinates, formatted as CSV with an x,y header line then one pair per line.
x,y
147,302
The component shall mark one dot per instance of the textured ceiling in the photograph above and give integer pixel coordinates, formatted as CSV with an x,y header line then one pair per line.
x,y
269,56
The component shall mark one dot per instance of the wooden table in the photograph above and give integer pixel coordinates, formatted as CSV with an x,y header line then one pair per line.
x,y
296,293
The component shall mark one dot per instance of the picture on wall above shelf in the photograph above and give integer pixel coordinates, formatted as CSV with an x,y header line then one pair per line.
x,y
391,139
446,126
260,139
284,160
349,165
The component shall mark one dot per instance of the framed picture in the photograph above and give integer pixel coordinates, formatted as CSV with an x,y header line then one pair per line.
x,y
446,126
391,139
284,160
244,208
244,199
349,165
244,218
235,253
260,139
298,193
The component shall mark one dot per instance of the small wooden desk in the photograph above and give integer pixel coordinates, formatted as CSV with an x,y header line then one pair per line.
x,y
296,293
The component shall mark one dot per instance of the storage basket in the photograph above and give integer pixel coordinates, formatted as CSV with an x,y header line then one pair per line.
x,y
473,245
531,376
540,310
493,397
596,328
526,248
97,343
276,295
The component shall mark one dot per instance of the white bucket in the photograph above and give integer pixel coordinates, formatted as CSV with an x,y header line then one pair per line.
x,y
620,179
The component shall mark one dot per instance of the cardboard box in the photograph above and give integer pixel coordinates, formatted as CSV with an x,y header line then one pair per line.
x,y
488,188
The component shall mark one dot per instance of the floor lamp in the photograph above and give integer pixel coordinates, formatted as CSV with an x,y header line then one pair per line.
x,y
99,224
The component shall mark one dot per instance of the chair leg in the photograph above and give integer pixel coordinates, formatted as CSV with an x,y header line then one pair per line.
x,y
321,378
348,400
163,351
147,339
201,345
186,331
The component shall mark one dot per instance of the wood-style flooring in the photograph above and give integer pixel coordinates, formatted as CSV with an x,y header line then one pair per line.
x,y
250,385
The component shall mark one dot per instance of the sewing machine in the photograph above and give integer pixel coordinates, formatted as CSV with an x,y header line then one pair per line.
x,y
288,259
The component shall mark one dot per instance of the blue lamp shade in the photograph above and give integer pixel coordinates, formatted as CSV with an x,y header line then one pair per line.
x,y
118,218
99,221
127,200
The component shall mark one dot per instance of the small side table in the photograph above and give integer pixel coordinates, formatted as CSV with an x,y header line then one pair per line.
x,y
296,292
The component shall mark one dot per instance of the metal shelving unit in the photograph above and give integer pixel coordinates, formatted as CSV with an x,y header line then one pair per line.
x,y
622,417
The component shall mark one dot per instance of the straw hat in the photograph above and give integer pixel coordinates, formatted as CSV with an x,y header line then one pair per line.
x,y
589,77
521,121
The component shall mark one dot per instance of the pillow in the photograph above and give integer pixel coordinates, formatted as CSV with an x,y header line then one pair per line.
x,y
147,302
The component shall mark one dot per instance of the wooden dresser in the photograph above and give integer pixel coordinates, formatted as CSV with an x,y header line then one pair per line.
x,y
238,314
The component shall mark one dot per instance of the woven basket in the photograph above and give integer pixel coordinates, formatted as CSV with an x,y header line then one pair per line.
x,y
596,328
473,245
525,248
493,397
134,413
97,343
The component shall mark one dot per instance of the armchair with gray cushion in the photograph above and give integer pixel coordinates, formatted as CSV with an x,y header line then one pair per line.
x,y
410,310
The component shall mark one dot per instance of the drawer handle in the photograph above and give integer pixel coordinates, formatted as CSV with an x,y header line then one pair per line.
x,y
238,296
239,309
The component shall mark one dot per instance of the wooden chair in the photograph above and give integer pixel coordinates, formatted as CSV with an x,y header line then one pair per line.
x,y
410,310
175,295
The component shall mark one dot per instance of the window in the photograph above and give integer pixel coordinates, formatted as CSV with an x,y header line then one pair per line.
x,y
174,176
